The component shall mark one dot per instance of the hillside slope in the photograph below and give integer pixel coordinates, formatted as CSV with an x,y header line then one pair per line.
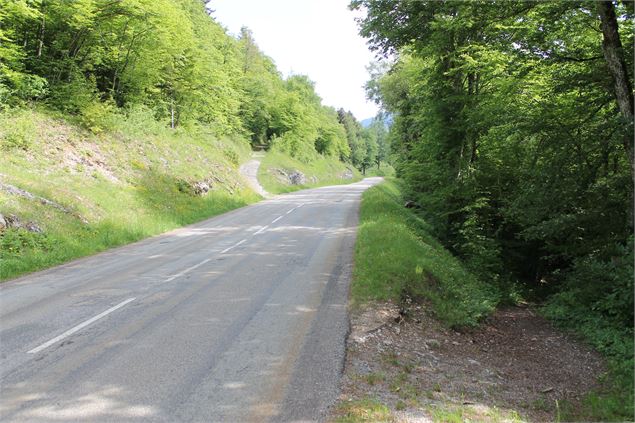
x,y
80,193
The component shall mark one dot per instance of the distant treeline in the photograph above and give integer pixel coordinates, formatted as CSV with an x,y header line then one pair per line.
x,y
93,58
513,128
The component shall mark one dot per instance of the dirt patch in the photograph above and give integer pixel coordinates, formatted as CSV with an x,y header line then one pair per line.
x,y
71,150
249,171
514,367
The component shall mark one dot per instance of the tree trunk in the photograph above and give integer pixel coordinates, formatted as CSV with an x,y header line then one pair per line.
x,y
172,114
614,56
40,35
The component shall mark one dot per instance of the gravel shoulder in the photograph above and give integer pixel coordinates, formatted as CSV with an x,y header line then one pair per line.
x,y
403,365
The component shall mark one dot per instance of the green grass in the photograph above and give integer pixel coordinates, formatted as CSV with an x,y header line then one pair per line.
x,y
128,183
319,172
450,413
395,255
364,410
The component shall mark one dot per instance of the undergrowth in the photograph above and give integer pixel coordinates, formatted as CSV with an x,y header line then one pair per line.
x,y
597,304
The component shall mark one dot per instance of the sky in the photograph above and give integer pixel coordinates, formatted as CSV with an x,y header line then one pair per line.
x,y
318,38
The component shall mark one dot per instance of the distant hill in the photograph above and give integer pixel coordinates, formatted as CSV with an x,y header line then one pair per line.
x,y
367,122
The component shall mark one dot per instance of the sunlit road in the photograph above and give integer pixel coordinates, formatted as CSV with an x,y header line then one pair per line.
x,y
238,318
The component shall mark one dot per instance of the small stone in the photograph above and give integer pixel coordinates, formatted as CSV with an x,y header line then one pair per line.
x,y
3,223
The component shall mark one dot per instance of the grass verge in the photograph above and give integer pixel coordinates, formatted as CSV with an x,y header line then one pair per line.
x,y
130,182
395,256
319,172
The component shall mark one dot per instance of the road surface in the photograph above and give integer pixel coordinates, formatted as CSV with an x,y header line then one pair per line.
x,y
241,317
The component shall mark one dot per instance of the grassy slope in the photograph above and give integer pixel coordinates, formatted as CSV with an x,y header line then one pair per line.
x,y
395,255
128,183
327,171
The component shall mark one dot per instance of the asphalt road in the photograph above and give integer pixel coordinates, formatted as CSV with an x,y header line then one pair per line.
x,y
241,317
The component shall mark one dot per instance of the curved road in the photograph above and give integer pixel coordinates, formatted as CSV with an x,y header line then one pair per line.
x,y
241,317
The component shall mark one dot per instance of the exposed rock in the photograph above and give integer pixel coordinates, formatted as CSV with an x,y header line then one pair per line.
x,y
347,174
26,194
292,177
280,174
33,227
200,188
297,178
13,221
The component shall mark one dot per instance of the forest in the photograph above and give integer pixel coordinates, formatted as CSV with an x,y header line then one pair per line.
x,y
100,60
513,130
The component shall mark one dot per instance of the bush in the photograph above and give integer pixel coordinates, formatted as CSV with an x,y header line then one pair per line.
x,y
98,116
597,303
18,131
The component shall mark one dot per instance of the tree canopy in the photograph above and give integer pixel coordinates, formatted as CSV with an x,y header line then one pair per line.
x,y
513,128
90,58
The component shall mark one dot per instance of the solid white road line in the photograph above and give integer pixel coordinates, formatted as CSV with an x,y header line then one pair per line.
x,y
79,327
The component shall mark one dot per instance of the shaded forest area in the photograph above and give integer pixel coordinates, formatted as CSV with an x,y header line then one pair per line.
x,y
100,60
513,130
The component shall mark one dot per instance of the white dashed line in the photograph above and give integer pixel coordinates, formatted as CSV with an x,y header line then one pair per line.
x,y
79,327
171,278
261,230
233,246
276,219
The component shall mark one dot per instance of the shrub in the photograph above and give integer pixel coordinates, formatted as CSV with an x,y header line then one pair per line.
x,y
18,131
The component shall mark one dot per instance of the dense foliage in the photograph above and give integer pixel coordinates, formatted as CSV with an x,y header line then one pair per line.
x,y
513,128
96,58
